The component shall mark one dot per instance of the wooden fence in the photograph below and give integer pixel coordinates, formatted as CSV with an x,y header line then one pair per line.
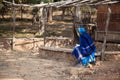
x,y
114,24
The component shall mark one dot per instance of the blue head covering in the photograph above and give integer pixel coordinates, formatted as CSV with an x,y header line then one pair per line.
x,y
81,30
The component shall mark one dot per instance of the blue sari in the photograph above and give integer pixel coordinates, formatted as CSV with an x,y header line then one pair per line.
x,y
85,52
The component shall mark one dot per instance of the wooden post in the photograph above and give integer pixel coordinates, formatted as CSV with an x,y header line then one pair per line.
x,y
63,13
44,32
14,19
75,35
44,17
78,14
50,12
40,14
21,12
105,35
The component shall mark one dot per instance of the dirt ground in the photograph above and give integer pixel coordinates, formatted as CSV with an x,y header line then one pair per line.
x,y
16,65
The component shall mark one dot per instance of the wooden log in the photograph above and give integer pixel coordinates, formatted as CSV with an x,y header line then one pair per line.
x,y
63,3
36,5
69,50
58,38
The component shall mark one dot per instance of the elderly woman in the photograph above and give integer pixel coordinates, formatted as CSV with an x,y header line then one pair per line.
x,y
85,51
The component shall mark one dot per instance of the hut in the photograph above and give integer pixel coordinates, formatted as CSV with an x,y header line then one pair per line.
x,y
108,18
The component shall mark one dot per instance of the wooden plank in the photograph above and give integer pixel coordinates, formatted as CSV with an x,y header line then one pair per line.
x,y
69,50
57,49
114,19
60,38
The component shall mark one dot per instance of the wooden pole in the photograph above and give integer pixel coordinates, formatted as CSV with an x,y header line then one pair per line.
x,y
14,19
105,35
75,35
21,12
44,33
63,13
44,20
50,12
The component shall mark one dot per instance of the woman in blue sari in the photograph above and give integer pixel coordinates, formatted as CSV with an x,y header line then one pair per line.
x,y
85,51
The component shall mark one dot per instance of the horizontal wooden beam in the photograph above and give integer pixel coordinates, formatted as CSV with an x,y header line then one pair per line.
x,y
51,38
35,5
57,49
115,32
68,50
64,3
